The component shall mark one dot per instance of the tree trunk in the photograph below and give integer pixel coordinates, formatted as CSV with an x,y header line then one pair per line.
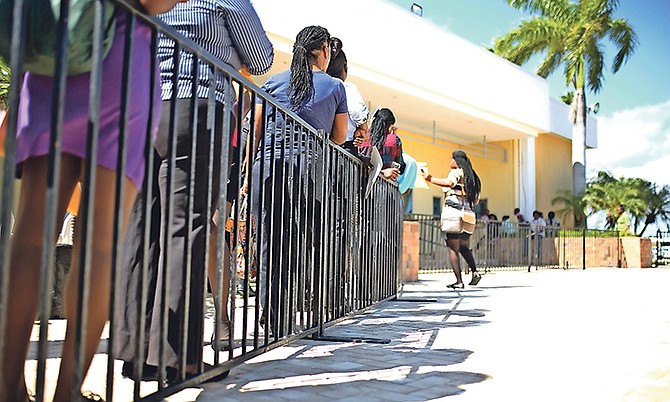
x,y
579,142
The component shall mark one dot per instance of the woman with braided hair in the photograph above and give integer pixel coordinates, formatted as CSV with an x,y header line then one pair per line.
x,y
383,137
357,125
461,187
286,157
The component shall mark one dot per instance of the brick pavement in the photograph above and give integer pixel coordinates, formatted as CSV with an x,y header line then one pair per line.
x,y
595,335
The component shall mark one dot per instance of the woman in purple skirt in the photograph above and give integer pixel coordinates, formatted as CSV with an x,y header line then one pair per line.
x,y
33,138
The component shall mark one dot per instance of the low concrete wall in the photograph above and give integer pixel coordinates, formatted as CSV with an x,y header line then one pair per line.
x,y
636,252
409,269
626,252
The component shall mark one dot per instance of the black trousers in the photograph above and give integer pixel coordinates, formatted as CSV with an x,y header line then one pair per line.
x,y
183,233
288,215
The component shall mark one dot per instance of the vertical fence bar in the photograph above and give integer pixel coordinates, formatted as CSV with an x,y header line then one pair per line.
x,y
584,248
117,236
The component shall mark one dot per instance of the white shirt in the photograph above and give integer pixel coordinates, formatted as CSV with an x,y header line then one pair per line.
x,y
358,110
537,226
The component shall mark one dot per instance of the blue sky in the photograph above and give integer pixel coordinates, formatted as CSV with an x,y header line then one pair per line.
x,y
634,116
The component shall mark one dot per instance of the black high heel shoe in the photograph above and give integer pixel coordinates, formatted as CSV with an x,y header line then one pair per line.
x,y
456,286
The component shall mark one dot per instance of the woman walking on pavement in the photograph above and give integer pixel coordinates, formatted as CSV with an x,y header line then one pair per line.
x,y
461,187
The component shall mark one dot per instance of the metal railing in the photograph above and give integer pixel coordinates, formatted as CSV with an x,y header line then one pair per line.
x,y
307,247
661,248
501,246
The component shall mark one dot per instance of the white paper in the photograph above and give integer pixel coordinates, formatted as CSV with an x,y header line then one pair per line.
x,y
376,161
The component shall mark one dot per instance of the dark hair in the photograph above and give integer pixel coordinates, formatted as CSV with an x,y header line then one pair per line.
x,y
338,60
381,121
473,186
301,87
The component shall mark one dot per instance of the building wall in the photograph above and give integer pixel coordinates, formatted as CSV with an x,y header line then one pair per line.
x,y
552,169
498,184
498,181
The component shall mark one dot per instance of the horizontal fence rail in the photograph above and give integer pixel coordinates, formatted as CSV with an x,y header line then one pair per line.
x,y
274,246
501,246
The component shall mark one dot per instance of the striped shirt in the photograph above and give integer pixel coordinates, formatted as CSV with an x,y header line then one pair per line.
x,y
229,29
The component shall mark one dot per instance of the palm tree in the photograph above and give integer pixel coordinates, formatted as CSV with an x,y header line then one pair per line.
x,y
574,205
657,202
570,34
606,193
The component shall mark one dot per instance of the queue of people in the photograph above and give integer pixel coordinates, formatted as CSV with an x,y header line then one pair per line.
x,y
185,212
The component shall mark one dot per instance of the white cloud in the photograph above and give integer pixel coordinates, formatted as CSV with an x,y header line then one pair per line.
x,y
634,143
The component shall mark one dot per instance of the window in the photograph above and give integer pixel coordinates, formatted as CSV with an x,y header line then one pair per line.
x,y
437,206
483,205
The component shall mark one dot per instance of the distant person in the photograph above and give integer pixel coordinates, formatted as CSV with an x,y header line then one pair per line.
x,y
552,224
623,221
519,216
507,226
461,187
383,136
551,219
537,228
357,125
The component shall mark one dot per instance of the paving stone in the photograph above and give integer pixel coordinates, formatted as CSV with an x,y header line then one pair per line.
x,y
518,336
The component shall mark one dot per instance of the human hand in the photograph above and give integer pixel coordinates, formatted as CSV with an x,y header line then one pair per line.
x,y
424,173
391,173
361,135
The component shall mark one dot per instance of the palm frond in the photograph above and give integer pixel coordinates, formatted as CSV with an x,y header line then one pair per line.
x,y
594,67
550,64
529,38
558,10
625,39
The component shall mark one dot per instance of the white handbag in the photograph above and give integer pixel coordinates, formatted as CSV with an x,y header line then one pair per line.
x,y
452,219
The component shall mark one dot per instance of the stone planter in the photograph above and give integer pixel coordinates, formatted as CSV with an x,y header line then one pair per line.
x,y
409,268
636,252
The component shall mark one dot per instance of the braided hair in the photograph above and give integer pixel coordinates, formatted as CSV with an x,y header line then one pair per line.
x,y
381,121
473,186
338,60
301,87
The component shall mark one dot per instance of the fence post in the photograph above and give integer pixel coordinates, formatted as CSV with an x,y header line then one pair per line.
x,y
584,248
618,249
529,249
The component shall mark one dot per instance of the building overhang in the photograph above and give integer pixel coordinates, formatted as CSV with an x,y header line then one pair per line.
x,y
436,83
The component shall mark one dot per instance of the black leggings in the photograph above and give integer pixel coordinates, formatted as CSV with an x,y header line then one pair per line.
x,y
460,243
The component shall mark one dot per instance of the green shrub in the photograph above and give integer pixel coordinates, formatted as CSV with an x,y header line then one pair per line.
x,y
590,233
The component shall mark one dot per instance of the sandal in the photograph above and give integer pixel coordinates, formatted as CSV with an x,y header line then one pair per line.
x,y
475,280
223,344
456,286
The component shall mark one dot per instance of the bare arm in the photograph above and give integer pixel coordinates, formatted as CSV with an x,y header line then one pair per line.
x,y
155,7
339,133
258,126
441,182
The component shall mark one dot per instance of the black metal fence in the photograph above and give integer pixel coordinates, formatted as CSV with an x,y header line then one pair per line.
x,y
501,246
305,246
661,248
